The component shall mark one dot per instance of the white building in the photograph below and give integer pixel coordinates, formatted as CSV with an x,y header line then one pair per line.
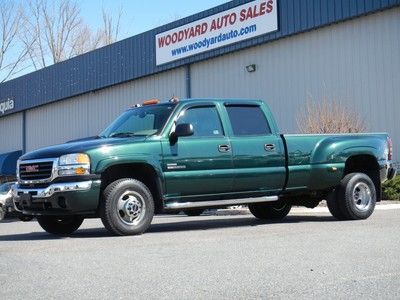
x,y
346,50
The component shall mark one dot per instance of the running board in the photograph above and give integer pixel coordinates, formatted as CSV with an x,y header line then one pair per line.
x,y
184,205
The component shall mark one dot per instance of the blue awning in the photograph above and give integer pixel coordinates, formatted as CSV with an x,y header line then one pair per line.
x,y
8,163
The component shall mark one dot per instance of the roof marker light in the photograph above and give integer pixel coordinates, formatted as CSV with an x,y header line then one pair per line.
x,y
151,102
174,99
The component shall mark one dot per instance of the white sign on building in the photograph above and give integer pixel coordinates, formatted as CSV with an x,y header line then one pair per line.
x,y
231,26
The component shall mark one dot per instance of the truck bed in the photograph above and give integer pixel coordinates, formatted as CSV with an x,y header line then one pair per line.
x,y
323,156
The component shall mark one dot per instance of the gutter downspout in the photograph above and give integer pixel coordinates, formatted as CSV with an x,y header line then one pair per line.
x,y
188,80
24,132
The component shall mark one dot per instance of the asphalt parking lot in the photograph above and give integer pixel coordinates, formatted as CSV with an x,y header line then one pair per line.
x,y
309,255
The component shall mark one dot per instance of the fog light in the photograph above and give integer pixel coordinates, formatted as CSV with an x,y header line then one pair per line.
x,y
66,172
71,171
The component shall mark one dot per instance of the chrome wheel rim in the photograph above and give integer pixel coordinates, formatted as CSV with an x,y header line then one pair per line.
x,y
362,196
131,208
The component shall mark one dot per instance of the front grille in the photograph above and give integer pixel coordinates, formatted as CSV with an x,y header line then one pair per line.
x,y
35,170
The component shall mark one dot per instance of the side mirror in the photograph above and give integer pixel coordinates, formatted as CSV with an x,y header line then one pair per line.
x,y
184,129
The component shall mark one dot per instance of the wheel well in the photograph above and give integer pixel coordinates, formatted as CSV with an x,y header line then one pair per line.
x,y
139,171
366,164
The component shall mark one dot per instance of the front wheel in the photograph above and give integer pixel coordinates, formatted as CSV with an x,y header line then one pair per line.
x,y
60,225
127,207
270,210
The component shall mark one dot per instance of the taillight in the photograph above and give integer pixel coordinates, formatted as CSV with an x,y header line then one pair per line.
x,y
390,147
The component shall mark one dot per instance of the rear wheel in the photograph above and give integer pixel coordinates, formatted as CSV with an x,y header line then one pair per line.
x,y
193,212
127,207
60,225
354,199
333,206
270,210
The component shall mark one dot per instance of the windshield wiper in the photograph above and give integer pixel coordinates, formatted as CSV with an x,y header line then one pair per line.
x,y
122,134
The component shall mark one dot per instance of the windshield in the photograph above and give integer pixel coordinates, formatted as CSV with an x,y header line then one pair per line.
x,y
140,121
5,187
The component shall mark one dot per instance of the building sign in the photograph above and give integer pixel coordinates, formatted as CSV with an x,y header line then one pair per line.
x,y
6,105
237,24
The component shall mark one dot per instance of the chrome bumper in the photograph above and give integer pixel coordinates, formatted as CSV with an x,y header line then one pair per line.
x,y
52,189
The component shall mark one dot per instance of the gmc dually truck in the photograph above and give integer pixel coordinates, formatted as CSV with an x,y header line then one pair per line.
x,y
195,154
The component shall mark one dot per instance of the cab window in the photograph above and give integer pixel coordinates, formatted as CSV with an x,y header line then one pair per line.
x,y
248,120
205,121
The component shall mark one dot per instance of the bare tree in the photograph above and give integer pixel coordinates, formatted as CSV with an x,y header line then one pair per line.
x,y
88,40
110,31
50,27
84,41
328,116
12,54
57,32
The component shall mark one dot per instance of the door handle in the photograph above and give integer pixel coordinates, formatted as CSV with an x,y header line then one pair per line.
x,y
269,147
224,148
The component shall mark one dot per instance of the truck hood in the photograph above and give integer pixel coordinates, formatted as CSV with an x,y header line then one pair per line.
x,y
78,147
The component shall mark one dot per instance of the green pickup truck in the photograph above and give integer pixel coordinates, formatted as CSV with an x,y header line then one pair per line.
x,y
195,154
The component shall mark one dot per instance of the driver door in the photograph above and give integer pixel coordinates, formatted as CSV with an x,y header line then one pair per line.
x,y
200,164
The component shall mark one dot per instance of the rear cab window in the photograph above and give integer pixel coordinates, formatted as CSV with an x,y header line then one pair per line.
x,y
247,120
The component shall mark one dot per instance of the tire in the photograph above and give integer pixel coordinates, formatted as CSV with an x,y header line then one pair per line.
x,y
25,218
193,212
270,210
333,206
60,225
127,207
355,198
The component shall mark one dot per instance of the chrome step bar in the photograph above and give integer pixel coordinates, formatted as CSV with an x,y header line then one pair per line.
x,y
211,203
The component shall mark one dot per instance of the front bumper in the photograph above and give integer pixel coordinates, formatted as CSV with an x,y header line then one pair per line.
x,y
63,198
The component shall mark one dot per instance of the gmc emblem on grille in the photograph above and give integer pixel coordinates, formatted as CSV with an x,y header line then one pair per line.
x,y
32,168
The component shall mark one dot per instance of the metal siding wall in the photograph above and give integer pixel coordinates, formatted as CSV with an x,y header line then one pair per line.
x,y
11,133
356,63
134,57
88,114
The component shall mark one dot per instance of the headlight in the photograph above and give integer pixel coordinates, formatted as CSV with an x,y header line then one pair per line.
x,y
74,159
74,164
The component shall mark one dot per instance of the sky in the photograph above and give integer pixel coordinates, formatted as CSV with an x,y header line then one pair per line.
x,y
140,16
137,15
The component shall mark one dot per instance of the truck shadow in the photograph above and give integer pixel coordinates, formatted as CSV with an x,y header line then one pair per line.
x,y
176,226
231,223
